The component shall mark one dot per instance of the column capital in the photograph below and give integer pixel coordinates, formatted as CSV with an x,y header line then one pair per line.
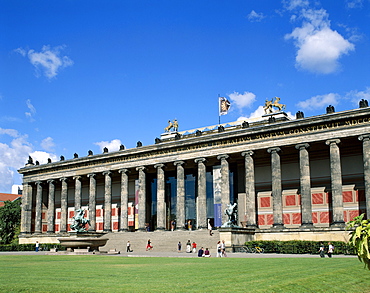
x,y
273,150
331,141
200,160
249,153
92,175
302,146
107,173
222,157
50,181
178,163
159,166
140,168
124,170
63,179
38,183
76,178
364,137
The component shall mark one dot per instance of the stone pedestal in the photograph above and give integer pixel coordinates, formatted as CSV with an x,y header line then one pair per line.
x,y
236,235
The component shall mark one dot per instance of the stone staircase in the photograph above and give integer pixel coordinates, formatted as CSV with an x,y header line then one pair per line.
x,y
162,241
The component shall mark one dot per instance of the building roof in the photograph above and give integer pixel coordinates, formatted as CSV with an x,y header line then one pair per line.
x,y
8,196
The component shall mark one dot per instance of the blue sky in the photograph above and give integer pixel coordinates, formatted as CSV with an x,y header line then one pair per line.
x,y
81,75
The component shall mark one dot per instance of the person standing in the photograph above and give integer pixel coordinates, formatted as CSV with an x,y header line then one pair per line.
x,y
210,227
37,246
188,246
179,247
173,225
322,250
330,249
219,253
194,247
129,247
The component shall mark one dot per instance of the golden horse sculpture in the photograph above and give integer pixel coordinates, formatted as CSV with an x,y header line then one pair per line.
x,y
269,104
172,125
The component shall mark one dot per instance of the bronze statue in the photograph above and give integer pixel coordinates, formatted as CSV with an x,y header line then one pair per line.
x,y
231,212
79,221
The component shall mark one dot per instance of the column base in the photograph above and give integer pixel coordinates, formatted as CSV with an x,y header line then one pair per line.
x,y
340,224
306,225
123,230
107,230
278,226
160,229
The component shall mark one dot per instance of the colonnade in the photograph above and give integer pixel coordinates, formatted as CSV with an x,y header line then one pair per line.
x,y
250,208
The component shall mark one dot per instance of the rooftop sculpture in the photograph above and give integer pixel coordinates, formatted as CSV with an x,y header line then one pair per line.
x,y
269,104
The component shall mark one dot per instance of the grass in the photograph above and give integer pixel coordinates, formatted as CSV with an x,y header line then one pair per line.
x,y
30,273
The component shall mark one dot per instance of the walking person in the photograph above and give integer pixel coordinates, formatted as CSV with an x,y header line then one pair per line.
x,y
223,248
210,227
330,249
128,249
149,245
322,250
37,246
179,247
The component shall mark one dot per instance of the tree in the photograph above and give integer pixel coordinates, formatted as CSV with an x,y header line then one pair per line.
x,y
10,219
360,238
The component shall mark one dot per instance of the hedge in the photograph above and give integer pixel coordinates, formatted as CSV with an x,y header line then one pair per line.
x,y
300,246
29,247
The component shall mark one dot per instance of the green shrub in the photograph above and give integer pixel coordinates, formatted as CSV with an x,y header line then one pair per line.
x,y
299,246
29,247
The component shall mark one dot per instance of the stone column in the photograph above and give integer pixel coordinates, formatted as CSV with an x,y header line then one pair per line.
x,y
161,205
78,192
180,195
38,208
26,209
107,202
366,158
305,184
250,205
202,194
51,207
277,196
336,182
92,202
142,198
225,186
64,206
123,224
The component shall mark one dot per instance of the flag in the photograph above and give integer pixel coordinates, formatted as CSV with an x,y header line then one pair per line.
x,y
224,105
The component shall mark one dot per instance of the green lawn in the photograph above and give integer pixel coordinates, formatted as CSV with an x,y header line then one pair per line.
x,y
150,274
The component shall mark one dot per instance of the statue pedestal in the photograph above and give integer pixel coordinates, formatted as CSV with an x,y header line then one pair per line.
x,y
279,116
236,235
168,135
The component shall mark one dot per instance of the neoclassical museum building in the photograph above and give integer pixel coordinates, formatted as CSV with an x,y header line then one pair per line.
x,y
291,179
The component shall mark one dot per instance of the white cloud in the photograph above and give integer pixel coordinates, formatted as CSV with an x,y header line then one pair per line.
x,y
320,101
49,60
253,16
357,96
318,46
295,4
242,100
354,3
48,144
14,156
112,145
32,110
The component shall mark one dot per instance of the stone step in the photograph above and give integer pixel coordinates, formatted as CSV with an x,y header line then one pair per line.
x,y
162,241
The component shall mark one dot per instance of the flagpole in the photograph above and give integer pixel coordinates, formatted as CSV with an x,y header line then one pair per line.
x,y
219,107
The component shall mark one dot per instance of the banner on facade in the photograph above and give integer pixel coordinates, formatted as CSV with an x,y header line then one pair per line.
x,y
217,196
137,204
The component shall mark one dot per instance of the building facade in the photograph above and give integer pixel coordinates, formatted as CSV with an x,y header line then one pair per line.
x,y
300,179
